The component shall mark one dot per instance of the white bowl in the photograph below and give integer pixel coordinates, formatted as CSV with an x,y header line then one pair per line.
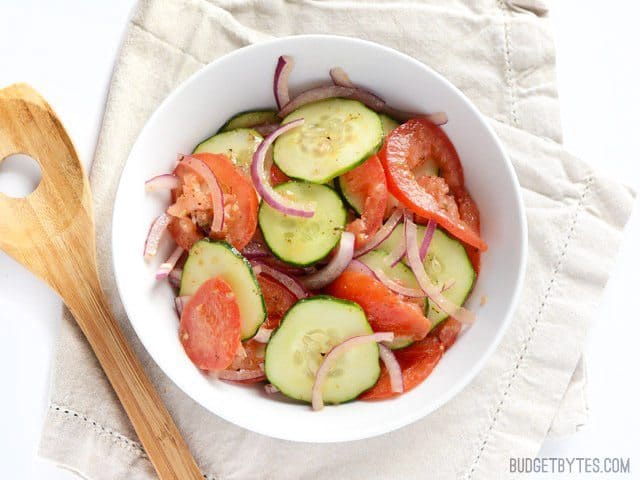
x,y
241,81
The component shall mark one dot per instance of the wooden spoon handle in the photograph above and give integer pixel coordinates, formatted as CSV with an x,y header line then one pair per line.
x,y
153,424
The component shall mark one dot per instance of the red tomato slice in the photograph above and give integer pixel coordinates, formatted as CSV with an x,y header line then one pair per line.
x,y
368,181
254,357
277,299
240,202
277,176
210,326
417,361
184,232
408,146
385,310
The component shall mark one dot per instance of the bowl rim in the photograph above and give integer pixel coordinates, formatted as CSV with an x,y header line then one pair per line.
x,y
408,417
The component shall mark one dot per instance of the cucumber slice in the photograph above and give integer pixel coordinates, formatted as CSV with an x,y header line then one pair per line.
x,y
303,241
250,119
337,135
446,263
388,124
355,200
307,332
239,145
400,273
208,259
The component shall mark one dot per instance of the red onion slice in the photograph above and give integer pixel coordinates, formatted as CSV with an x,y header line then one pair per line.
x,y
332,91
321,375
165,181
382,234
263,335
397,287
217,197
240,375
290,283
426,241
358,266
439,118
340,78
393,367
281,80
265,129
270,389
335,267
435,295
166,268
157,228
175,277
255,249
260,177
180,303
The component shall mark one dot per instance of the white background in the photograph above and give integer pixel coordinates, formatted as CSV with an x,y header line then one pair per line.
x,y
66,50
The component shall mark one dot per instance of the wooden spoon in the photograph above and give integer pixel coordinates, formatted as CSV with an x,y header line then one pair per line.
x,y
51,232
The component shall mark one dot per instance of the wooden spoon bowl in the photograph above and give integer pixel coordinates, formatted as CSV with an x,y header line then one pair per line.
x,y
51,232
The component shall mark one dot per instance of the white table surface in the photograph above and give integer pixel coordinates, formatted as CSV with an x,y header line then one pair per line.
x,y
66,50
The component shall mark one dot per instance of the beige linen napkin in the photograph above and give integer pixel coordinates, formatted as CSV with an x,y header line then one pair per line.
x,y
501,55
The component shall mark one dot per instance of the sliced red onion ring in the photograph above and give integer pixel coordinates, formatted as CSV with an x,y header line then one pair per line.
x,y
335,267
290,283
157,228
399,251
439,118
166,268
240,375
260,176
340,77
175,277
321,375
263,335
382,234
217,197
270,389
435,295
426,241
358,266
281,80
393,367
265,129
180,303
165,181
397,287
332,91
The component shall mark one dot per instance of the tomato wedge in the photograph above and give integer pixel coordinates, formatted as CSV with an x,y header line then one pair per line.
x,y
368,181
408,146
192,200
252,361
417,361
210,326
184,232
385,310
277,299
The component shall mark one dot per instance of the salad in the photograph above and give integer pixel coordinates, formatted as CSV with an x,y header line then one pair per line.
x,y
326,247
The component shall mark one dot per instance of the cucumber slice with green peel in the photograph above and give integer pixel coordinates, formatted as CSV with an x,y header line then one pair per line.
x,y
303,241
355,200
308,331
447,265
388,124
250,119
239,145
337,135
208,259
400,273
